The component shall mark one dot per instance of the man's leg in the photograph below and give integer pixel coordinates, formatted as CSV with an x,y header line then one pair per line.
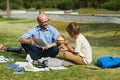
x,y
51,52
74,58
33,51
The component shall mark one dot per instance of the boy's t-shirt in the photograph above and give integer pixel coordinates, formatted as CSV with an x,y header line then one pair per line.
x,y
83,47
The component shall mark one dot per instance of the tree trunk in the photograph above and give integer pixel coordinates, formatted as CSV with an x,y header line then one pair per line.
x,y
8,8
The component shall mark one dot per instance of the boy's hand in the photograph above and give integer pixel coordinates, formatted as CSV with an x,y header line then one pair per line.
x,y
66,42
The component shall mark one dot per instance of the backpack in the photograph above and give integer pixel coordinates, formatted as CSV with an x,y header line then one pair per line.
x,y
108,62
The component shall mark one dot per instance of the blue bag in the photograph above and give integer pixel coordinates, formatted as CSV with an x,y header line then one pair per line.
x,y
108,62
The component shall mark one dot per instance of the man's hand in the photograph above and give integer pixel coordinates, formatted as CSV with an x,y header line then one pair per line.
x,y
2,48
47,47
32,42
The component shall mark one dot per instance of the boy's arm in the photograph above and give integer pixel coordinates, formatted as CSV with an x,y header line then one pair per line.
x,y
70,48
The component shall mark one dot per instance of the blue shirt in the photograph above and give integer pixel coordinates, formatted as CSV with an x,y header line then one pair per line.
x,y
48,35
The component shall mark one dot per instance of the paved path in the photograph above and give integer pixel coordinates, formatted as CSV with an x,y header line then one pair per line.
x,y
98,18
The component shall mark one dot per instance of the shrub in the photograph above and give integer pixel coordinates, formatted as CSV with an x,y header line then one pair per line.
x,y
2,6
112,5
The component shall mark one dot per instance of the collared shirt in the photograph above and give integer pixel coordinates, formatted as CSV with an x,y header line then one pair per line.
x,y
83,48
48,35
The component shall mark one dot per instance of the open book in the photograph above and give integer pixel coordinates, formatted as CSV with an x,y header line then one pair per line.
x,y
39,42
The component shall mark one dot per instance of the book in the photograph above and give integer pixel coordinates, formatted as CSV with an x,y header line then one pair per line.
x,y
18,70
11,66
39,42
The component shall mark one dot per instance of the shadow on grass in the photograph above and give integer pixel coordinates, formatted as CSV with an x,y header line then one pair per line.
x,y
113,41
99,27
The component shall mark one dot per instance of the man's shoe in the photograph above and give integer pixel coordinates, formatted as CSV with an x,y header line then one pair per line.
x,y
14,49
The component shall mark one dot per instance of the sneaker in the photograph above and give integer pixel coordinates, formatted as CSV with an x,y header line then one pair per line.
x,y
14,49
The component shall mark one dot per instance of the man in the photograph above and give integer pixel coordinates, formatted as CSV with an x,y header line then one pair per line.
x,y
2,48
10,49
45,32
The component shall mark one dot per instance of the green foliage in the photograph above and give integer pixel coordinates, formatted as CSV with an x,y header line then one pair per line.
x,y
2,6
68,4
61,4
14,6
27,4
112,5
38,5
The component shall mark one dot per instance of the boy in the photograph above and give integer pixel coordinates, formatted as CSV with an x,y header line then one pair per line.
x,y
82,53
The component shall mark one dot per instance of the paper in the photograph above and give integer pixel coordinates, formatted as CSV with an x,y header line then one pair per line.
x,y
21,64
58,68
39,42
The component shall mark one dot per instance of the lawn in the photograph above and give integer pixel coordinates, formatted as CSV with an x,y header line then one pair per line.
x,y
103,37
96,11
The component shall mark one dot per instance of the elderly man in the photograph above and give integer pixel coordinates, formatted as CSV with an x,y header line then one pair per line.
x,y
43,32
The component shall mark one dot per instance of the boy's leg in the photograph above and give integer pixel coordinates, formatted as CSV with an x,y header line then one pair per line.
x,y
74,58
35,53
51,52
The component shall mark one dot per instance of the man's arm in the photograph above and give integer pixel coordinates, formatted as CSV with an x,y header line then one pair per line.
x,y
27,41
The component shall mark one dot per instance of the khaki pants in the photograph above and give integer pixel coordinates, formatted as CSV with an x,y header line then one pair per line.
x,y
74,58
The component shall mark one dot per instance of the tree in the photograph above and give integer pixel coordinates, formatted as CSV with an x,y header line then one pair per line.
x,y
8,8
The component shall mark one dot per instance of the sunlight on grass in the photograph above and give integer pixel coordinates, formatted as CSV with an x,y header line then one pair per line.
x,y
103,37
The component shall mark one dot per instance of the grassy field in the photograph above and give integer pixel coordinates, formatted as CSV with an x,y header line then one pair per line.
x,y
103,37
96,11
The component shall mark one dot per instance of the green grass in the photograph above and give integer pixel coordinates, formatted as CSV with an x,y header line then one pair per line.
x,y
95,11
103,37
